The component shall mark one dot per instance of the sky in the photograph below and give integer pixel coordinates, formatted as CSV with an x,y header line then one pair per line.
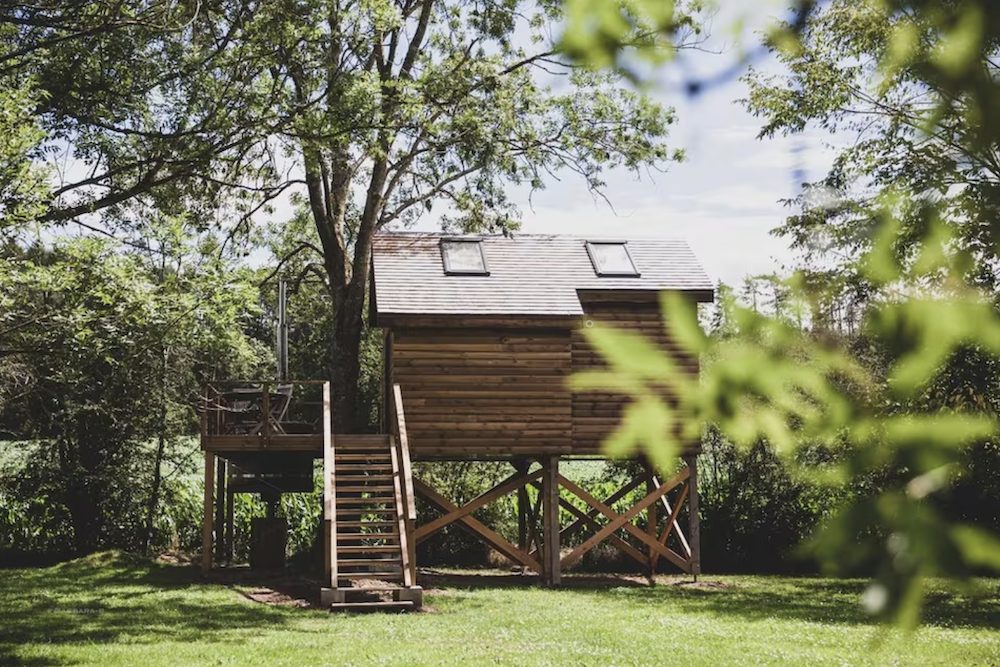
x,y
724,199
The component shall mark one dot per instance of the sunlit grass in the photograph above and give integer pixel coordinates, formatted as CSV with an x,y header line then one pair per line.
x,y
114,610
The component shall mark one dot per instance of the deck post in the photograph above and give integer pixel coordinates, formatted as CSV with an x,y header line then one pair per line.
x,y
651,521
220,509
551,574
230,518
694,526
206,519
330,573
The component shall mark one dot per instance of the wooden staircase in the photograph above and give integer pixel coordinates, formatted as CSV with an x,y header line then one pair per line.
x,y
369,516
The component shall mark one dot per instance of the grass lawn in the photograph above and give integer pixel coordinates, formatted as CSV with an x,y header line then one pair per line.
x,y
113,610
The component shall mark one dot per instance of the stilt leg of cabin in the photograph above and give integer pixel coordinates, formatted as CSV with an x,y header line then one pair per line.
x,y
694,526
220,509
651,521
206,519
230,520
523,502
551,573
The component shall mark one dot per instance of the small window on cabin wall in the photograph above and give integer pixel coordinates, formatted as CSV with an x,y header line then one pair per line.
x,y
611,258
463,258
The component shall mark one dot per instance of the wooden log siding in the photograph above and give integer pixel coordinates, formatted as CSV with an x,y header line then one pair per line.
x,y
596,415
481,392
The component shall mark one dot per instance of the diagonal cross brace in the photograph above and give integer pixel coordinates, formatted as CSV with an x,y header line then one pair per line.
x,y
488,535
618,521
512,483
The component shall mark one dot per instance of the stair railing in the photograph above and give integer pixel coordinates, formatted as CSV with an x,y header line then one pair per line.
x,y
329,494
408,516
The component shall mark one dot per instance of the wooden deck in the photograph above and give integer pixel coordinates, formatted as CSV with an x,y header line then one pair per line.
x,y
263,416
275,442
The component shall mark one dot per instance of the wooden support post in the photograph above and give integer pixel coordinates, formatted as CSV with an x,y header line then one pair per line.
x,y
651,521
230,519
206,519
523,502
694,526
551,573
329,496
220,509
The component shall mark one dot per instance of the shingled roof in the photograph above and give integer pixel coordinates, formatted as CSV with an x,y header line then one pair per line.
x,y
531,275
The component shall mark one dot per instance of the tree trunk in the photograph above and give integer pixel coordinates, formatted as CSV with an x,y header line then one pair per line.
x,y
345,369
154,494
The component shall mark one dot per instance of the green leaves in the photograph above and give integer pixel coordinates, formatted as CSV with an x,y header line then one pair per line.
x,y
604,33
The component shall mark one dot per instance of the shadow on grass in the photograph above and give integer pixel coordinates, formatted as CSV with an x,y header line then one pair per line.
x,y
814,599
110,597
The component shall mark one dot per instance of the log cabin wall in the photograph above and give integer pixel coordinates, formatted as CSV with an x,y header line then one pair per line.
x,y
484,393
596,415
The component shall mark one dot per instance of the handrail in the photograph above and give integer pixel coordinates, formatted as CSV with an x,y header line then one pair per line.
x,y
404,446
401,518
409,504
329,495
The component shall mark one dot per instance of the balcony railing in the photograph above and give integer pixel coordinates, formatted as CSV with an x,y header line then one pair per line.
x,y
263,415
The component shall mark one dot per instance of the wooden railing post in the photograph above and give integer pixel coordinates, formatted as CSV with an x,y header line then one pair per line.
x,y
409,504
329,494
266,402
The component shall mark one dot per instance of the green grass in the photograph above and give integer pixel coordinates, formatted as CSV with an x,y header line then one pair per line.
x,y
113,610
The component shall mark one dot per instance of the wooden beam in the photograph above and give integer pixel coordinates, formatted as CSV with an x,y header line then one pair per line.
x,y
551,570
513,482
398,485
676,526
206,519
616,520
409,502
651,521
220,509
488,535
329,495
230,520
593,523
671,522
404,445
694,524
572,529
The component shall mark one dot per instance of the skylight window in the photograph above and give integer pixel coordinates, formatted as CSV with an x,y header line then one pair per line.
x,y
463,257
611,258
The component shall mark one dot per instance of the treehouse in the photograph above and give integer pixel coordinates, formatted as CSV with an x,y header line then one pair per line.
x,y
481,335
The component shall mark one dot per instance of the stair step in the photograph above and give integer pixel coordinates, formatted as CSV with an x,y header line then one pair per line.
x,y
361,457
370,500
365,524
360,438
359,489
341,477
358,537
342,467
354,511
366,549
367,562
383,605
369,575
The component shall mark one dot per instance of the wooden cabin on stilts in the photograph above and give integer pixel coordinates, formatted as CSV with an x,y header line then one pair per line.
x,y
481,335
